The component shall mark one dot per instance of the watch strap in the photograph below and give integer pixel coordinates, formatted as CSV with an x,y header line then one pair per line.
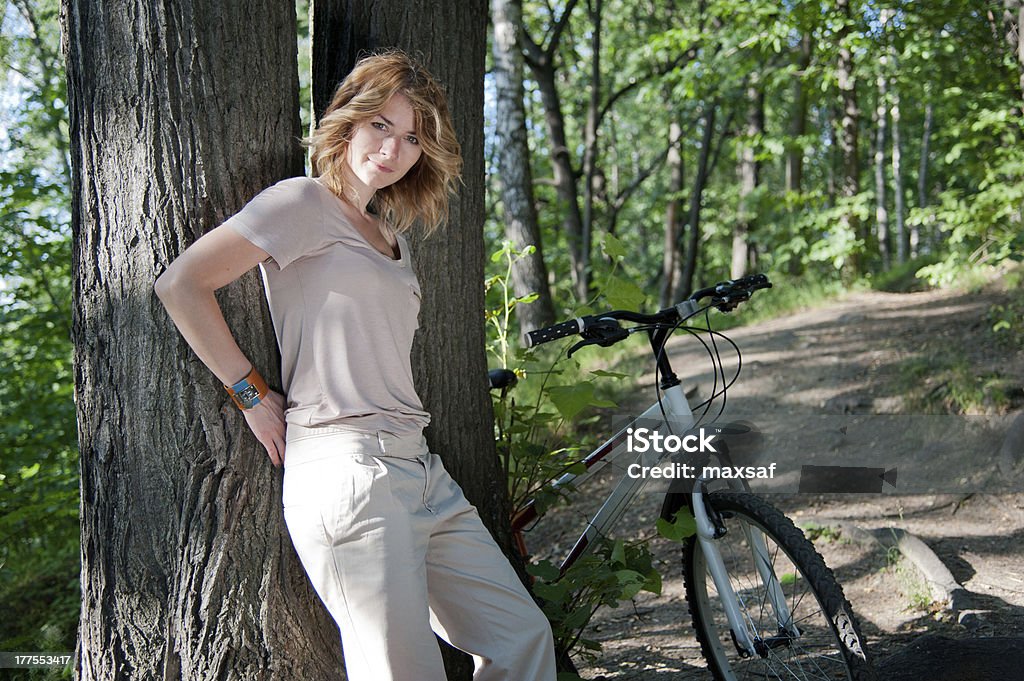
x,y
249,391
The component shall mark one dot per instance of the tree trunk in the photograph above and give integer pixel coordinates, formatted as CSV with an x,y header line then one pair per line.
x,y
590,147
541,61
849,176
564,174
670,255
684,278
902,238
529,273
187,572
922,174
449,360
798,118
743,254
881,211
1013,19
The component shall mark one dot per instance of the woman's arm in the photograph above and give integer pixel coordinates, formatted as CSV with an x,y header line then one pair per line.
x,y
186,290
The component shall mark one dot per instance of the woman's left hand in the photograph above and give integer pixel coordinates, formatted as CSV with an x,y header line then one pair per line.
x,y
266,421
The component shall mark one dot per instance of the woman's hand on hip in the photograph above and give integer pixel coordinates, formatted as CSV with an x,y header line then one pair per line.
x,y
266,421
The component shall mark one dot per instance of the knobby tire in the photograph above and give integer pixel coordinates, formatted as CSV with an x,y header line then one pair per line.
x,y
830,646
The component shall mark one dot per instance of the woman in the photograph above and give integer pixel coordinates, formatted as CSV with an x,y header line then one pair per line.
x,y
388,540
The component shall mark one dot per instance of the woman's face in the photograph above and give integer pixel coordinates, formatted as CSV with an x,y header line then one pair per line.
x,y
384,148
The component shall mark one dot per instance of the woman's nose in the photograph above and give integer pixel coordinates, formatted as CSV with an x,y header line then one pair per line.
x,y
389,146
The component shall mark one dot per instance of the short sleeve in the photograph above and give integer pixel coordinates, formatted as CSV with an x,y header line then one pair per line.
x,y
285,220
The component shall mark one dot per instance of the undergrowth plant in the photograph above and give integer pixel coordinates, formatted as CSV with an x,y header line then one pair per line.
x,y
539,438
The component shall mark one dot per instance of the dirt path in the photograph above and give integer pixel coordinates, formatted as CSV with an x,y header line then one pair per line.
x,y
852,357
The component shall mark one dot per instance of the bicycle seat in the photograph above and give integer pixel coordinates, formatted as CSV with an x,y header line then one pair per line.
x,y
501,378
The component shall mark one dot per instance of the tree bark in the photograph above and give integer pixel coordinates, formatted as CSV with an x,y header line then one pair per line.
x,y
743,254
798,117
529,273
922,173
902,237
541,61
187,571
673,210
1013,19
685,272
849,176
449,363
595,8
881,211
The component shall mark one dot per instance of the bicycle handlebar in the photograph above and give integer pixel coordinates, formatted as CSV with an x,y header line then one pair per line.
x,y
725,296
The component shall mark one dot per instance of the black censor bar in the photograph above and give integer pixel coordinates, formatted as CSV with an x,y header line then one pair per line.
x,y
828,479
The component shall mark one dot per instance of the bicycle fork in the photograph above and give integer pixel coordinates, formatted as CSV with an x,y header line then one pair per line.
x,y
745,636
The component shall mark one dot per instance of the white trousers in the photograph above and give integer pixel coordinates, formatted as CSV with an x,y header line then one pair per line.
x,y
396,553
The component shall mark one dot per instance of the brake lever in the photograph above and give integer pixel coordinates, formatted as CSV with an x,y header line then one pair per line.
x,y
731,301
584,343
603,332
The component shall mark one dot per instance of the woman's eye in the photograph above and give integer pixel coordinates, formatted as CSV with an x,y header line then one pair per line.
x,y
411,139
379,125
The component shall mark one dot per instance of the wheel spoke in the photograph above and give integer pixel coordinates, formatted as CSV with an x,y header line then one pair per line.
x,y
787,564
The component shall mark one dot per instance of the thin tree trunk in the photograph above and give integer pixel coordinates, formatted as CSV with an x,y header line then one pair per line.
x,y
1013,20
749,170
541,61
449,362
902,238
670,254
590,146
186,569
564,173
684,278
529,273
49,63
922,175
798,118
881,212
849,177
828,127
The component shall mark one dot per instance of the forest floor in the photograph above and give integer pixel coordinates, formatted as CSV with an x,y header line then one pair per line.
x,y
867,353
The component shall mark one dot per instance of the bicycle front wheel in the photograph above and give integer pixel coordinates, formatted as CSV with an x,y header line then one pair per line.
x,y
769,561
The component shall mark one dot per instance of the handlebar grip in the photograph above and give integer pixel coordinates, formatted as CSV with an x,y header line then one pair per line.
x,y
753,282
550,333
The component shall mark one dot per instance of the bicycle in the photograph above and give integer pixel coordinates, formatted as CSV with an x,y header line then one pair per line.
x,y
748,569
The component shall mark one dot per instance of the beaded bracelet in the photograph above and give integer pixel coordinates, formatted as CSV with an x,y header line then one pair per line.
x,y
250,391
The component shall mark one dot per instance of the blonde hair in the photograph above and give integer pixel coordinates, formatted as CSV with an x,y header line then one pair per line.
x,y
422,194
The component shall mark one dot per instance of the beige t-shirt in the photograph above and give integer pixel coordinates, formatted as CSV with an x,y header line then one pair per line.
x,y
344,313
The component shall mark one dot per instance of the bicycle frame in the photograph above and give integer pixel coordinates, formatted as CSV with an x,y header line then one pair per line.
x,y
624,491
675,407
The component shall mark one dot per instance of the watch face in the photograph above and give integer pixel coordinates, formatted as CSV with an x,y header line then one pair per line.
x,y
249,396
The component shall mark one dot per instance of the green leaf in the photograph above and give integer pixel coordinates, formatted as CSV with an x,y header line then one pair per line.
x,y
613,248
608,374
622,294
652,583
570,400
555,593
619,552
577,619
631,581
544,570
684,526
578,468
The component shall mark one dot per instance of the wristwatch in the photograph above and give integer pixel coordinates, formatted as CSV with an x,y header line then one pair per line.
x,y
249,391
